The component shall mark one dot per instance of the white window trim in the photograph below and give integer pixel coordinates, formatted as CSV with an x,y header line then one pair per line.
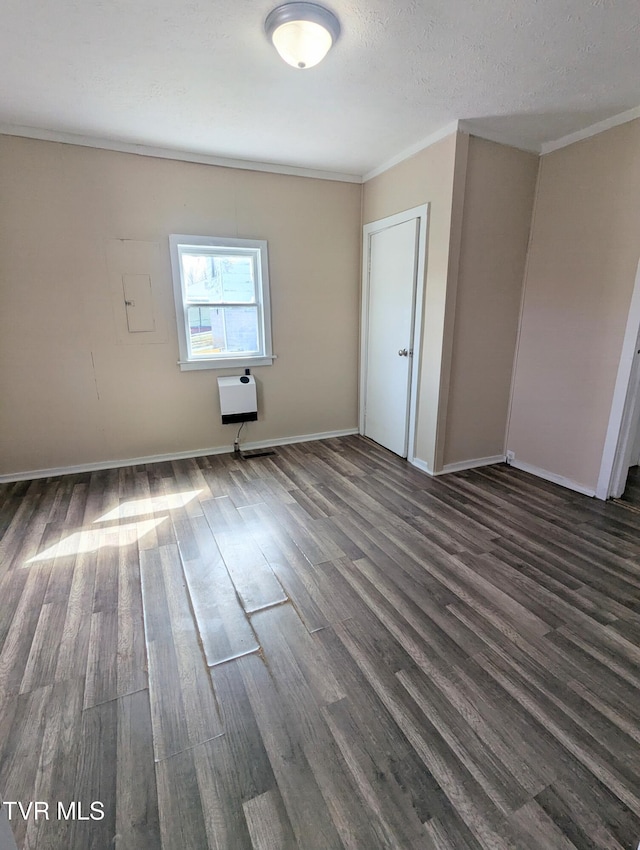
x,y
177,241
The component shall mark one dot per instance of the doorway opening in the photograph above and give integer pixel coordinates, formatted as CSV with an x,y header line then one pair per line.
x,y
622,445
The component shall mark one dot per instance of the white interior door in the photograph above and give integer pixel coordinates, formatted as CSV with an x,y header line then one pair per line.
x,y
393,254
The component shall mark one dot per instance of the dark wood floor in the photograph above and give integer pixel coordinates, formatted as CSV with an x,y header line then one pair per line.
x,y
323,650
632,488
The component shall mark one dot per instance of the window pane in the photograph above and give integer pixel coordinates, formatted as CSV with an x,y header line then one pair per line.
x,y
201,277
242,328
236,274
206,331
219,330
218,278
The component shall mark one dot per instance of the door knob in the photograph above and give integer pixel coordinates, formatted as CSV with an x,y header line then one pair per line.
x,y
403,352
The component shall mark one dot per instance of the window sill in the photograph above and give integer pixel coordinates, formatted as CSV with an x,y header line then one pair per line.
x,y
226,363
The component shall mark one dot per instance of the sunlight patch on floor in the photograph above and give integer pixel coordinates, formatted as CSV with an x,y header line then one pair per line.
x,y
155,504
91,540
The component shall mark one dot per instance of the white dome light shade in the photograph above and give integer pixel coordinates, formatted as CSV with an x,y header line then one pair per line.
x,y
302,33
302,43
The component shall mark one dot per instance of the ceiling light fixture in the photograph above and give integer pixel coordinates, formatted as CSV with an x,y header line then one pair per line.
x,y
302,33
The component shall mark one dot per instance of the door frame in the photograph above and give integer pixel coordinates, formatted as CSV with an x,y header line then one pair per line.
x,y
422,214
625,408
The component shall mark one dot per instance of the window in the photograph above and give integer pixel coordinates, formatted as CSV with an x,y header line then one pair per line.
x,y
221,289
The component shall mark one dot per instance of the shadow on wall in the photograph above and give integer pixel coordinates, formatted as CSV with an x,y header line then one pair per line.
x,y
538,127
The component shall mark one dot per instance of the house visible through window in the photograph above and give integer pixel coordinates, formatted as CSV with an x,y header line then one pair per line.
x,y
221,289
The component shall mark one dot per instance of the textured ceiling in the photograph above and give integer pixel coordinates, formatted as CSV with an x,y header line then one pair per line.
x,y
201,77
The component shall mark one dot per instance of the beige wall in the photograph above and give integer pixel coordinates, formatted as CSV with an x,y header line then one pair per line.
x,y
427,177
583,255
498,201
76,387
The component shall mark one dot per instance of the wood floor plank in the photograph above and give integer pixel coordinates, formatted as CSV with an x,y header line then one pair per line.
x,y
41,664
101,684
23,535
373,773
545,672
449,832
202,789
268,822
465,583
137,819
375,722
222,802
11,589
585,829
314,505
58,765
420,638
102,495
77,505
73,649
292,569
502,725
538,830
251,768
182,821
96,778
288,469
304,802
61,574
188,478
19,638
252,576
583,746
416,604
587,811
384,552
548,577
497,780
461,788
105,594
309,538
24,721
374,718
131,651
532,534
543,605
472,537
601,645
223,625
290,647
591,676
183,708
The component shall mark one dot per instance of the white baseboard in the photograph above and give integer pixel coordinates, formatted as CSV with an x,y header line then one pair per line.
x,y
551,476
471,464
420,464
135,461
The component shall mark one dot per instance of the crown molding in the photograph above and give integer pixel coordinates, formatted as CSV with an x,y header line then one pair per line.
x,y
442,133
593,130
170,153
460,125
467,126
